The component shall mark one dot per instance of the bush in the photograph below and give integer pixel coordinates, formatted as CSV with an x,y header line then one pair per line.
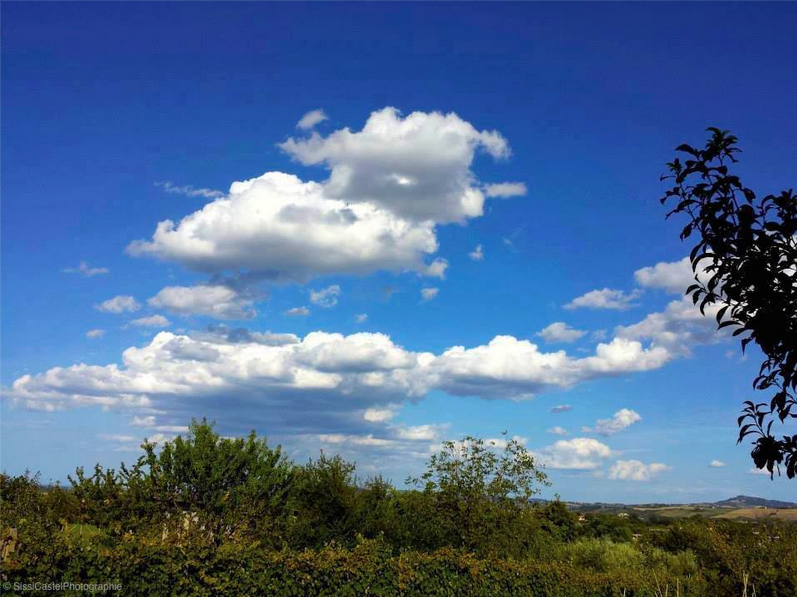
x,y
370,568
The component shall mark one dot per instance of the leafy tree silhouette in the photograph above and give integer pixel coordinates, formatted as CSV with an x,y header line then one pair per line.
x,y
748,249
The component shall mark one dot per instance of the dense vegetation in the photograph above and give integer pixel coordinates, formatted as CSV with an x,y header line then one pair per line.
x,y
206,515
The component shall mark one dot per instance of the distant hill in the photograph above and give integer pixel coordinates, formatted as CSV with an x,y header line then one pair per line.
x,y
734,503
745,501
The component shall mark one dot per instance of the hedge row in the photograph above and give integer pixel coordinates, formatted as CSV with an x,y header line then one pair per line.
x,y
157,569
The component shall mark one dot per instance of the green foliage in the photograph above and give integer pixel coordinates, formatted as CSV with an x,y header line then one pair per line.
x,y
209,516
558,520
228,486
476,495
369,568
610,527
324,502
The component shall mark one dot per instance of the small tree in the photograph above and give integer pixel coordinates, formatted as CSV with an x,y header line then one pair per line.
x,y
226,485
478,489
749,251
324,501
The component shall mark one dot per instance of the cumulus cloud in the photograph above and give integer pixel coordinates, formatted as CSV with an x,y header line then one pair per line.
x,y
94,334
85,270
557,430
326,297
673,277
506,189
297,312
361,317
622,419
427,294
312,118
606,298
154,321
716,464
579,453
560,408
560,332
676,329
189,191
277,223
119,304
635,470
324,372
217,301
390,185
477,254
417,167
517,369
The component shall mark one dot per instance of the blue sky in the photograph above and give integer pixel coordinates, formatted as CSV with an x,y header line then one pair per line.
x,y
116,117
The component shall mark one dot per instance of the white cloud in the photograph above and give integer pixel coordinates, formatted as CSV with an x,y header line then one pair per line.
x,y
436,269
506,189
427,294
579,453
115,437
325,383
419,432
477,254
716,464
326,371
606,298
219,302
622,419
119,304
172,428
145,421
159,438
312,118
634,470
153,321
390,185
417,167
277,223
96,333
378,415
356,440
516,369
392,444
189,191
498,443
676,329
85,270
326,297
560,332
557,430
361,317
673,277
297,312
560,408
